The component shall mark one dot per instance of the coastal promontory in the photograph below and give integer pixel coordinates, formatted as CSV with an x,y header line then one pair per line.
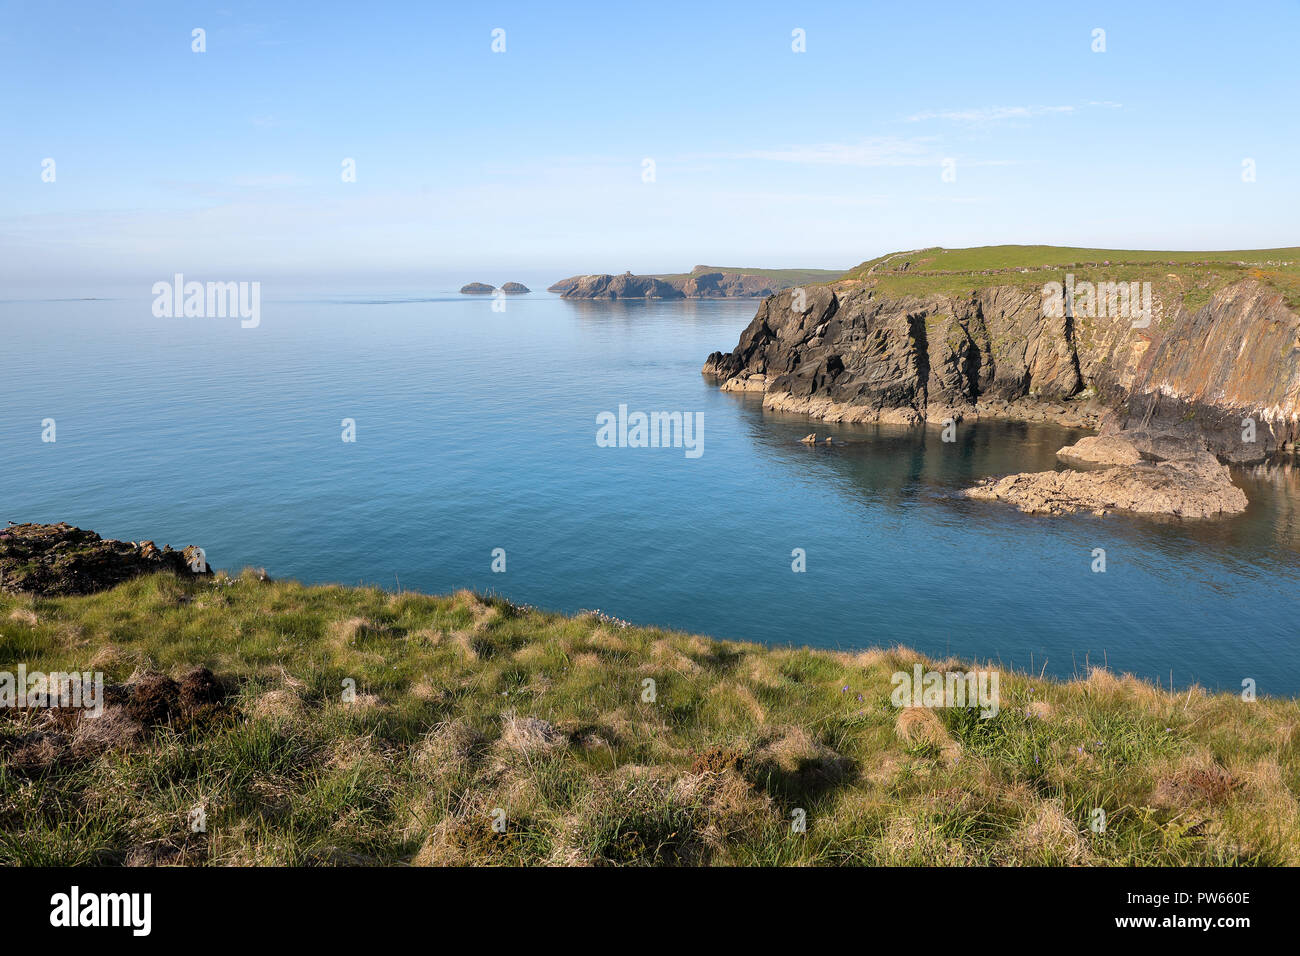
x,y
702,282
1183,357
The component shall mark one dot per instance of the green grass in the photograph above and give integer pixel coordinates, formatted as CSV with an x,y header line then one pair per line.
x,y
785,278
738,738
1194,276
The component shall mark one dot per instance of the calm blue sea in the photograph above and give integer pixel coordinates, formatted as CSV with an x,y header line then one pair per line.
x,y
476,430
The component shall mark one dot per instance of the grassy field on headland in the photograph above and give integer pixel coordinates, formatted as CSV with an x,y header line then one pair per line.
x,y
469,710
783,277
1190,276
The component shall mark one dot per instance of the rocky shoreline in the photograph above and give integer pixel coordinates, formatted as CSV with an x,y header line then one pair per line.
x,y
1173,400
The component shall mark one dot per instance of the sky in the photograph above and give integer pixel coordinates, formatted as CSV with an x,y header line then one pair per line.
x,y
228,163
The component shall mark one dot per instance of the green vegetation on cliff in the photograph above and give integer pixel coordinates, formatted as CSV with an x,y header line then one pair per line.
x,y
783,278
467,705
1193,276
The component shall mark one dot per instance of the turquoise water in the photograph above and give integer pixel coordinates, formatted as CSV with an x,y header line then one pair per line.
x,y
476,430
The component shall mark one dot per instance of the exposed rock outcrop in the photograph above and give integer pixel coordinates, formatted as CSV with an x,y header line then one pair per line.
x,y
721,285
58,559
515,288
626,286
1098,450
1218,375
477,288
1194,485
849,355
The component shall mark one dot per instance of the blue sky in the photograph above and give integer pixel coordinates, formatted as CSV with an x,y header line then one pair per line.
x,y
227,163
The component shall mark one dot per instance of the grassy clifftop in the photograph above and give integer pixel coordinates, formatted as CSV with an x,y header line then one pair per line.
x,y
783,277
469,709
1195,274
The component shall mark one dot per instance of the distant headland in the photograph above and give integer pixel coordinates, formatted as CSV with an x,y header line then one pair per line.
x,y
702,282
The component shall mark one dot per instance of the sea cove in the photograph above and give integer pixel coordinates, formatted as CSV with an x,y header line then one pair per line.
x,y
475,431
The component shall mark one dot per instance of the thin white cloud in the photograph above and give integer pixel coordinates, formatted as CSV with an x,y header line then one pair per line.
x,y
268,180
877,151
985,115
989,114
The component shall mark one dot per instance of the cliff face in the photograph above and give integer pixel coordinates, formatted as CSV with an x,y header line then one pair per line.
x,y
626,286
717,285
851,354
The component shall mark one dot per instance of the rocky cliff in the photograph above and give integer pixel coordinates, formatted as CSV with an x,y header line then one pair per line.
x,y
1193,374
702,282
626,286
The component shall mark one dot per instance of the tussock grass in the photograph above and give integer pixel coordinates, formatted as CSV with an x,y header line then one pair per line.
x,y
468,709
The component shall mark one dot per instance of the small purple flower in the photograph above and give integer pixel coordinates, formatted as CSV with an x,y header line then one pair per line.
x,y
844,689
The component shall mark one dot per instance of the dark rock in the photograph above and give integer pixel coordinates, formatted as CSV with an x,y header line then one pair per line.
x,y
59,559
1210,378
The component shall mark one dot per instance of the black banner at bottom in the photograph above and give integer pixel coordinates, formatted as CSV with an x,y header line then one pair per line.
x,y
304,905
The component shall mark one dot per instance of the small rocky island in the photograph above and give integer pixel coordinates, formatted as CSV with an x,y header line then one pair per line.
x,y
1110,473
482,288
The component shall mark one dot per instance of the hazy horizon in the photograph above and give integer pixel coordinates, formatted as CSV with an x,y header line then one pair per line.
x,y
530,163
